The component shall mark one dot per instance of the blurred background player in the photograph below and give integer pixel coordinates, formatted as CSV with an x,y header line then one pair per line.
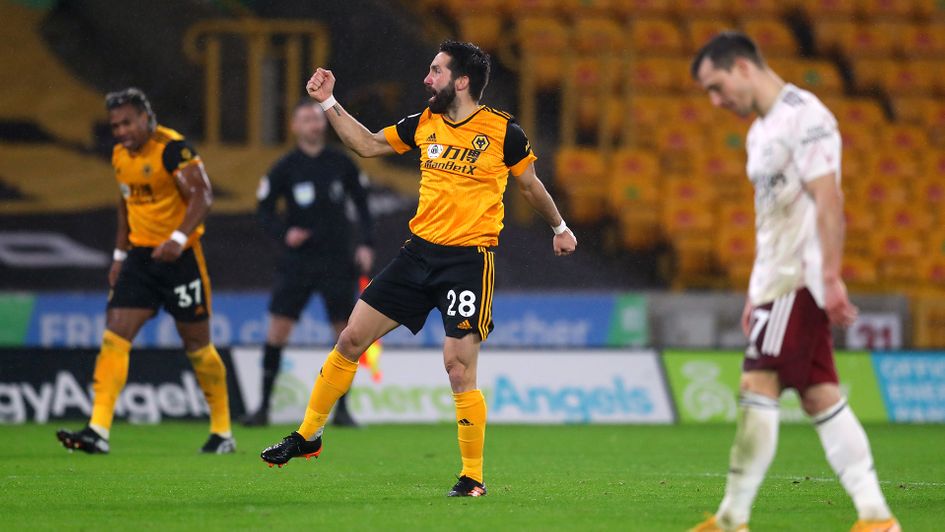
x,y
313,181
795,291
466,154
158,262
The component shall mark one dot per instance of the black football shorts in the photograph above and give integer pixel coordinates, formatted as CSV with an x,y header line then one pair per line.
x,y
456,280
182,287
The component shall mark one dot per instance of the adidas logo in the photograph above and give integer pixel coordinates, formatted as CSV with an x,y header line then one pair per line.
x,y
464,422
431,138
464,325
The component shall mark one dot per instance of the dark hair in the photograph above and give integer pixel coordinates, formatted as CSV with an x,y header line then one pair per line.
x,y
724,48
467,59
131,96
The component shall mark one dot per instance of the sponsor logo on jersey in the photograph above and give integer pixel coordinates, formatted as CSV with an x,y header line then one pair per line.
x,y
304,193
464,325
431,138
434,151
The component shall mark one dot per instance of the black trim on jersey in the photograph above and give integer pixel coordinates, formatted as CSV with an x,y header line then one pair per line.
x,y
465,121
516,146
503,114
407,129
177,152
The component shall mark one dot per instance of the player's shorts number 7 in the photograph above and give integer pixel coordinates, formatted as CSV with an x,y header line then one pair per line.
x,y
184,299
467,303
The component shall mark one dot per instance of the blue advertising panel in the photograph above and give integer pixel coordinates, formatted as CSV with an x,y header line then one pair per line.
x,y
913,385
240,318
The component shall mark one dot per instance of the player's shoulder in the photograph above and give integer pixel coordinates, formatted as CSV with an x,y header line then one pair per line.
x,y
498,114
165,135
804,105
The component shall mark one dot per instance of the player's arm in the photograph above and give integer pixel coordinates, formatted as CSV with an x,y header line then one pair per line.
x,y
355,136
121,242
538,197
193,184
830,229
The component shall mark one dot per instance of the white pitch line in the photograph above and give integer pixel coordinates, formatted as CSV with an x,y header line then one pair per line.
x,y
834,479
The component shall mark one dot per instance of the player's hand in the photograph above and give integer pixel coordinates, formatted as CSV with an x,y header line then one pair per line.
x,y
168,251
321,85
565,243
364,258
296,236
113,272
837,303
746,318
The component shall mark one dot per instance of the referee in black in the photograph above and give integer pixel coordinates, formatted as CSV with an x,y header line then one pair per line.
x,y
314,181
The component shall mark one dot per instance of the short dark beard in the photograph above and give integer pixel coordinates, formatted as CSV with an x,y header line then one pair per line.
x,y
442,99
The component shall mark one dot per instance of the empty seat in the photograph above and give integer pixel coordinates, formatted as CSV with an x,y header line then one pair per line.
x,y
858,272
699,31
595,35
582,175
543,41
656,36
484,29
820,77
771,35
859,112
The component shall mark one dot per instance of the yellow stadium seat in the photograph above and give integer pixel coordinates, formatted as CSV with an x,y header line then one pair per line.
x,y
585,8
871,72
689,191
858,272
694,111
718,166
484,29
635,163
701,30
932,68
932,271
909,77
462,8
642,8
529,8
905,218
924,111
588,74
856,165
659,74
935,243
819,9
851,38
859,140
859,218
544,40
700,8
758,8
930,191
679,138
831,33
594,35
737,216
904,137
897,253
885,9
895,165
879,191
772,36
926,9
581,173
820,77
859,113
590,111
923,39
634,196
656,36
735,251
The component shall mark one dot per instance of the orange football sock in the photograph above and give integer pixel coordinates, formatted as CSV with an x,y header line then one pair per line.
x,y
111,373
333,381
211,375
471,431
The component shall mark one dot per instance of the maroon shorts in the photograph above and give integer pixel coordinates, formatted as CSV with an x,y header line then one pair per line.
x,y
791,336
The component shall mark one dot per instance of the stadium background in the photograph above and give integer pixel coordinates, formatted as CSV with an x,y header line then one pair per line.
x,y
648,174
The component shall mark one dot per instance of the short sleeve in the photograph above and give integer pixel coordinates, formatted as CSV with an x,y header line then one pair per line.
x,y
178,154
818,145
517,151
400,136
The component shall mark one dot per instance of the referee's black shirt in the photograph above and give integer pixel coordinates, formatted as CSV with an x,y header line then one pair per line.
x,y
314,191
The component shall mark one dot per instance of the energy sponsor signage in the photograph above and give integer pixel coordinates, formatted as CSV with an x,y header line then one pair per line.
x,y
39,385
569,386
240,318
705,386
913,385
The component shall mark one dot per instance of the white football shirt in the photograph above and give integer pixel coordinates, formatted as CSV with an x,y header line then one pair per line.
x,y
796,142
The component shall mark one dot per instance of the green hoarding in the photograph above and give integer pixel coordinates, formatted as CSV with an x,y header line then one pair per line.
x,y
628,325
15,313
705,386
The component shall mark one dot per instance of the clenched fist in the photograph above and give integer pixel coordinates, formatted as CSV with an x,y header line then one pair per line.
x,y
321,85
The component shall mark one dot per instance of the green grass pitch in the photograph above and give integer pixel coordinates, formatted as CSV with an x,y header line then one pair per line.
x,y
396,478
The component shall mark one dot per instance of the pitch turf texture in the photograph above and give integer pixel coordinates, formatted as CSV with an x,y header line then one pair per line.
x,y
396,478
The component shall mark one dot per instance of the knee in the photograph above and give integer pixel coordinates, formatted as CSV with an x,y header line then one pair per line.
x,y
458,376
351,342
